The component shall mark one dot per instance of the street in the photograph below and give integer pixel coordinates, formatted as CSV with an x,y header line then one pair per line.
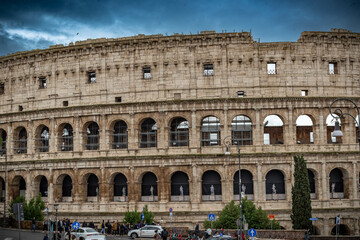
x,y
13,234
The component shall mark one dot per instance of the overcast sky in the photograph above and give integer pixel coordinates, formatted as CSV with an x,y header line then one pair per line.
x,y
26,25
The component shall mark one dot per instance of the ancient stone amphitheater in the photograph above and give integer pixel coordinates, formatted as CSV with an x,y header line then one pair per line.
x,y
105,126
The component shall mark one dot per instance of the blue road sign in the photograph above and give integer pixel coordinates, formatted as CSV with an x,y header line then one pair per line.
x,y
142,216
170,209
314,219
252,232
75,225
211,217
338,220
47,210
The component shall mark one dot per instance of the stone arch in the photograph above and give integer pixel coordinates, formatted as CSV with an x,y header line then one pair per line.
x,y
91,136
336,184
119,187
3,135
119,134
42,136
273,130
179,132
275,185
149,188
180,186
304,130
343,229
241,130
330,127
18,187
246,183
211,186
93,190
20,140
210,131
63,190
41,186
148,133
65,135
2,189
312,183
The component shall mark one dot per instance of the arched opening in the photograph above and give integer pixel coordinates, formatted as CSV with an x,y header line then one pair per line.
x,y
180,187
275,185
210,131
42,139
92,137
247,186
66,138
341,229
273,130
43,187
336,184
304,130
3,145
2,189
211,186
179,132
93,188
330,127
18,187
120,188
149,191
148,134
120,135
20,142
67,189
241,130
311,177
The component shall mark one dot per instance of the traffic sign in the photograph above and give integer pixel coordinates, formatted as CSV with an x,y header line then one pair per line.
x,y
211,217
75,225
271,217
142,216
170,209
252,232
338,220
47,210
314,219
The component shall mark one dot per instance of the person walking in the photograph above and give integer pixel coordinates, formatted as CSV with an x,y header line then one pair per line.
x,y
33,222
164,234
102,226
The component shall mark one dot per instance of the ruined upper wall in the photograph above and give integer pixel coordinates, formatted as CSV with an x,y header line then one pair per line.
x,y
334,36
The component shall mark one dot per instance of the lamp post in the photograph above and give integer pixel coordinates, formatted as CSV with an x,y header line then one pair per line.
x,y
338,113
56,206
227,142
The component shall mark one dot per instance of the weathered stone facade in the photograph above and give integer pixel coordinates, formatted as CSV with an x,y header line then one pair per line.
x,y
205,81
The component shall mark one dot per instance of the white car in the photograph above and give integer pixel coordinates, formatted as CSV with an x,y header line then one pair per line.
x,y
85,233
146,231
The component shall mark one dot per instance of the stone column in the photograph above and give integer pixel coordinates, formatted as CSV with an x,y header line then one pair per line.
x,y
133,134
289,131
258,130
162,143
103,145
321,131
226,129
260,190
30,139
194,135
355,179
9,141
77,135
226,189
195,188
52,136
324,190
29,193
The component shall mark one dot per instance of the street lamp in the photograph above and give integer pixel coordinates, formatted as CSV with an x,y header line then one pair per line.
x,y
227,142
56,206
338,113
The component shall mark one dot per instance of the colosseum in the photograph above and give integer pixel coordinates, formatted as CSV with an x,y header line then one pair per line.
x,y
106,126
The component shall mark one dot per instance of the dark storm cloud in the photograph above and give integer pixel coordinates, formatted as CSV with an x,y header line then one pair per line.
x,y
38,24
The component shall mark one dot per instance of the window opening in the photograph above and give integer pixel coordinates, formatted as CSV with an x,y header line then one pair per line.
x,y
42,141
65,103
240,93
117,99
208,70
92,137
148,134
147,72
304,93
241,130
333,68
210,131
91,77
2,88
179,133
67,138
120,135
42,82
271,68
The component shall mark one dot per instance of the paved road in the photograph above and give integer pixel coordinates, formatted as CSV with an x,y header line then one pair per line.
x,y
13,234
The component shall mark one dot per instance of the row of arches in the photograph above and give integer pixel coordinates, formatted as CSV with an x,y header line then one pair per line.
x,y
241,133
211,186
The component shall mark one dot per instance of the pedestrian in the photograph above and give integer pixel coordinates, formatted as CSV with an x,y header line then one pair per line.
x,y
45,226
46,237
197,229
114,228
33,221
102,226
164,234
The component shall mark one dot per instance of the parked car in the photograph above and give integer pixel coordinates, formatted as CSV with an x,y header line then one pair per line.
x,y
85,233
221,237
147,231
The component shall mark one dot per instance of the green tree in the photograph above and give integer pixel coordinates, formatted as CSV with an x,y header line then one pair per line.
x,y
255,217
134,217
34,208
301,203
